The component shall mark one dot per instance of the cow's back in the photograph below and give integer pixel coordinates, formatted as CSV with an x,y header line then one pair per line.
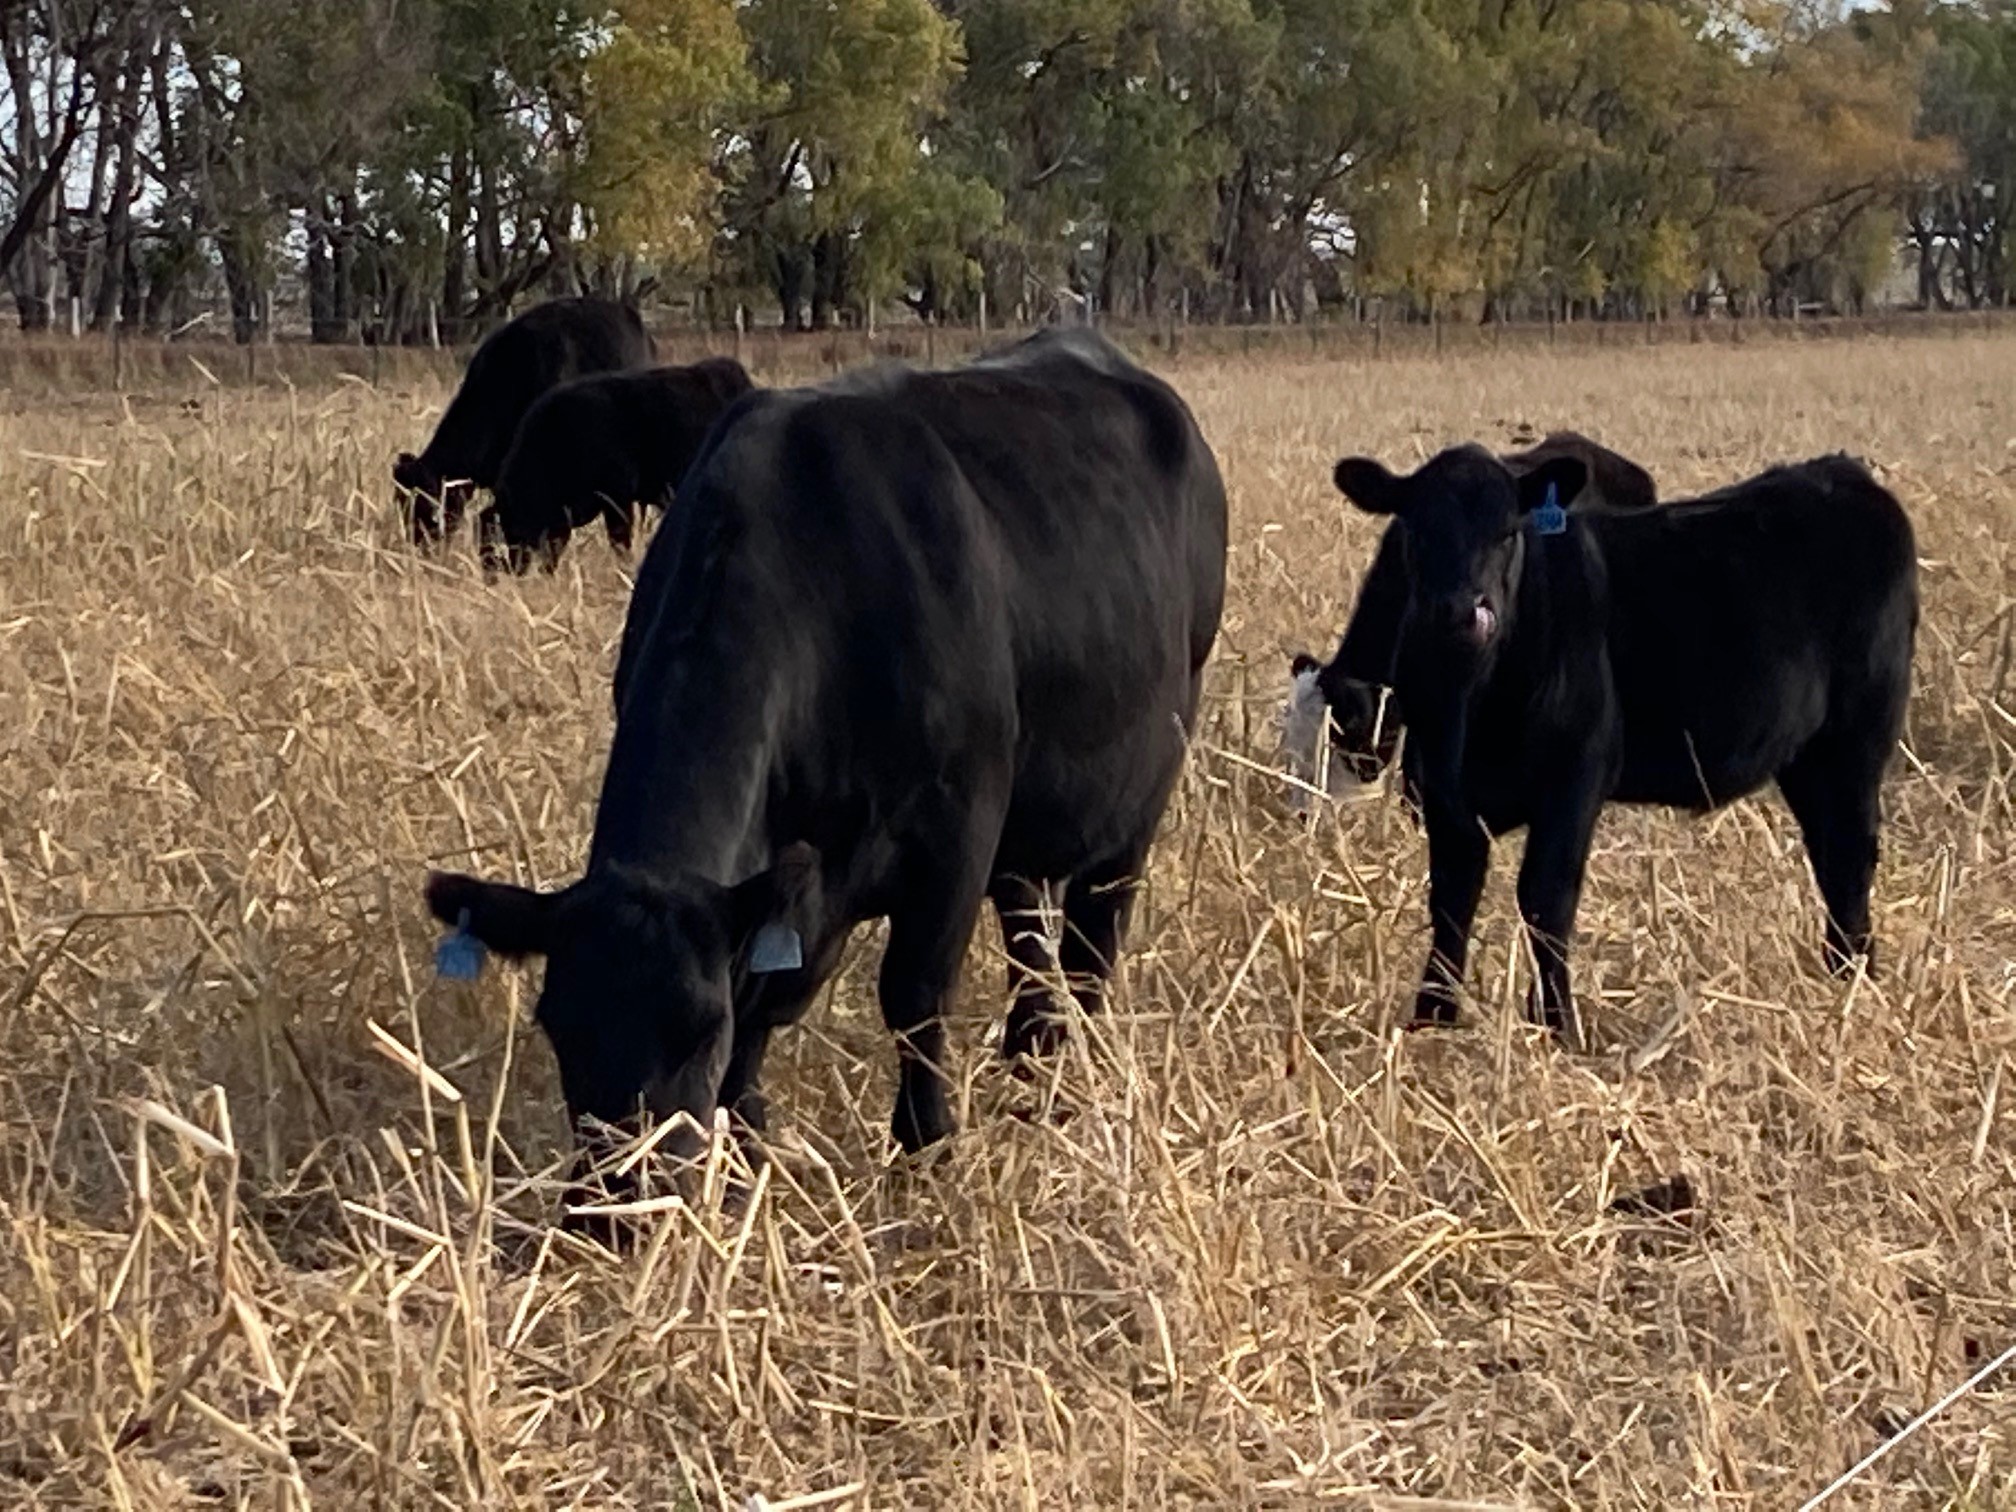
x,y
550,344
1752,620
1021,561
1109,512
1614,480
1103,495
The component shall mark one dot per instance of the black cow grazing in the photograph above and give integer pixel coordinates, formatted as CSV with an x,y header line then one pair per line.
x,y
1352,694
598,447
909,642
516,363
1681,656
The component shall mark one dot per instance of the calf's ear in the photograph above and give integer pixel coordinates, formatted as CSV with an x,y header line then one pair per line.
x,y
1566,477
1368,484
513,921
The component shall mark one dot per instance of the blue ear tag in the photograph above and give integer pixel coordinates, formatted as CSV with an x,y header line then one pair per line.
x,y
459,956
1550,518
776,948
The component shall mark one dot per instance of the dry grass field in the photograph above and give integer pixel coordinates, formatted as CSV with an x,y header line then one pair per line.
x,y
1250,1245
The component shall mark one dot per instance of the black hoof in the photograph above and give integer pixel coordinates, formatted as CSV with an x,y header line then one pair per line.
x,y
917,1128
1033,1033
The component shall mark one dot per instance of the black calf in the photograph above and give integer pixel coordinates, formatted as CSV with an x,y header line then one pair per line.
x,y
1681,656
1356,686
598,447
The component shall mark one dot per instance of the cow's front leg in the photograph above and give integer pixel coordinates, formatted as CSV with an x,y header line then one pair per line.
x,y
928,934
1459,854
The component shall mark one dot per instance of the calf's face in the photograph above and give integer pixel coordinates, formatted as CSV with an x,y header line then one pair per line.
x,y
638,999
1358,716
432,503
506,544
537,508
1464,515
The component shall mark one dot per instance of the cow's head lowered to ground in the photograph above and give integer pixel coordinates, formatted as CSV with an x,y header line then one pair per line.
x,y
643,974
433,503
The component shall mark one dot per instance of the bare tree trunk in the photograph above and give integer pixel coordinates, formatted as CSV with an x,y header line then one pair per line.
x,y
242,285
789,268
829,279
489,230
116,273
1109,269
344,261
24,262
455,252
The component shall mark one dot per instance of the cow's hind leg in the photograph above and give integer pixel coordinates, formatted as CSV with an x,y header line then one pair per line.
x,y
1096,907
1032,1027
1096,911
1832,790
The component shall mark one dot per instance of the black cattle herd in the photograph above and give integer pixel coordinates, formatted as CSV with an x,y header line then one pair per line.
x,y
915,642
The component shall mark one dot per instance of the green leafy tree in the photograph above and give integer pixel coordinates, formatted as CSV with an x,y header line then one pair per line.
x,y
658,97
848,91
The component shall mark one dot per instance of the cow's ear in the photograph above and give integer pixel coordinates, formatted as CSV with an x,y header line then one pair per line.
x,y
1369,485
513,921
404,467
1302,662
774,912
1562,478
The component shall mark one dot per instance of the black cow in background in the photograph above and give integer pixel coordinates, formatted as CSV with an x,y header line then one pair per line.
x,y
1351,694
910,641
598,447
516,363
1681,656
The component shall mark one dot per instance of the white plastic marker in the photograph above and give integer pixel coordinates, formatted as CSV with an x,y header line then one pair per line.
x,y
776,948
459,956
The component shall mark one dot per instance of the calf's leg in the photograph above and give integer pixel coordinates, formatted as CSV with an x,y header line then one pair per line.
x,y
742,1085
1832,791
455,501
1459,854
1550,888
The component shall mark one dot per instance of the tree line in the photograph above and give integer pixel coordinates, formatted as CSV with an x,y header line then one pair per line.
x,y
404,170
